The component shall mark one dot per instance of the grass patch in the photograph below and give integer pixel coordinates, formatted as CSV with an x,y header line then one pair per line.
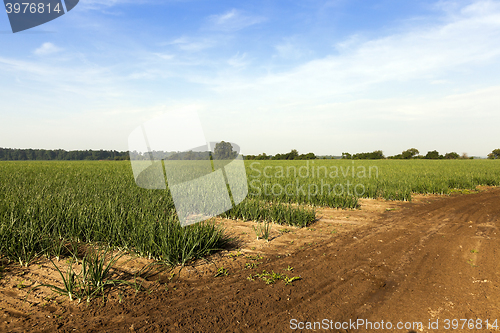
x,y
272,277
94,279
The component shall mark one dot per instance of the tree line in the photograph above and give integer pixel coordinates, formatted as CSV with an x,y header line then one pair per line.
x,y
411,153
292,155
414,153
375,155
10,154
223,150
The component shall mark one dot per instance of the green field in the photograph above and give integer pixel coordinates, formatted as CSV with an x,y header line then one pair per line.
x,y
48,207
338,183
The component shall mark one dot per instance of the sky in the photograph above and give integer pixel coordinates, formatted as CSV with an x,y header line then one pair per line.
x,y
317,76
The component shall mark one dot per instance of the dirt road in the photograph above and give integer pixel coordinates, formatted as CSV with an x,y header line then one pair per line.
x,y
427,261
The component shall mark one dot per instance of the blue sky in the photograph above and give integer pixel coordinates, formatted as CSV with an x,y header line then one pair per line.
x,y
319,76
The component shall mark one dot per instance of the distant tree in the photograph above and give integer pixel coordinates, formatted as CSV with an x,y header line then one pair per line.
x,y
293,154
433,155
495,154
30,154
376,155
262,156
224,151
451,156
279,157
253,157
21,155
410,153
346,156
310,156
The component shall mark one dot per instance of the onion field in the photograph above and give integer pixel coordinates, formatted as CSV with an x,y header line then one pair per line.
x,y
48,207
339,183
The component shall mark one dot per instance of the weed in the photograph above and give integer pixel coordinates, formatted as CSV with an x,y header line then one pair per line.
x,y
262,230
272,277
21,285
221,271
92,281
288,281
254,257
251,265
235,255
471,263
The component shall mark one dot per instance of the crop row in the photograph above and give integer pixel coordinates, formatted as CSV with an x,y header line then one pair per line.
x,y
339,183
46,207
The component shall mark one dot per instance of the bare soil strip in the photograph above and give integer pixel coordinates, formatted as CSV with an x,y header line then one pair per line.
x,y
434,258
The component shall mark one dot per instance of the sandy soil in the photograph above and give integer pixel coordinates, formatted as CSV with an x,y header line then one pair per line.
x,y
430,260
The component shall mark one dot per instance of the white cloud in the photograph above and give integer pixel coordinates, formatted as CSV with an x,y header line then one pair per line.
x,y
165,56
291,49
193,44
350,43
233,20
46,49
426,52
238,60
83,79
440,82
102,4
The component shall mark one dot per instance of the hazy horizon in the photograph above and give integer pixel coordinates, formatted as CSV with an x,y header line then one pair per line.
x,y
283,152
